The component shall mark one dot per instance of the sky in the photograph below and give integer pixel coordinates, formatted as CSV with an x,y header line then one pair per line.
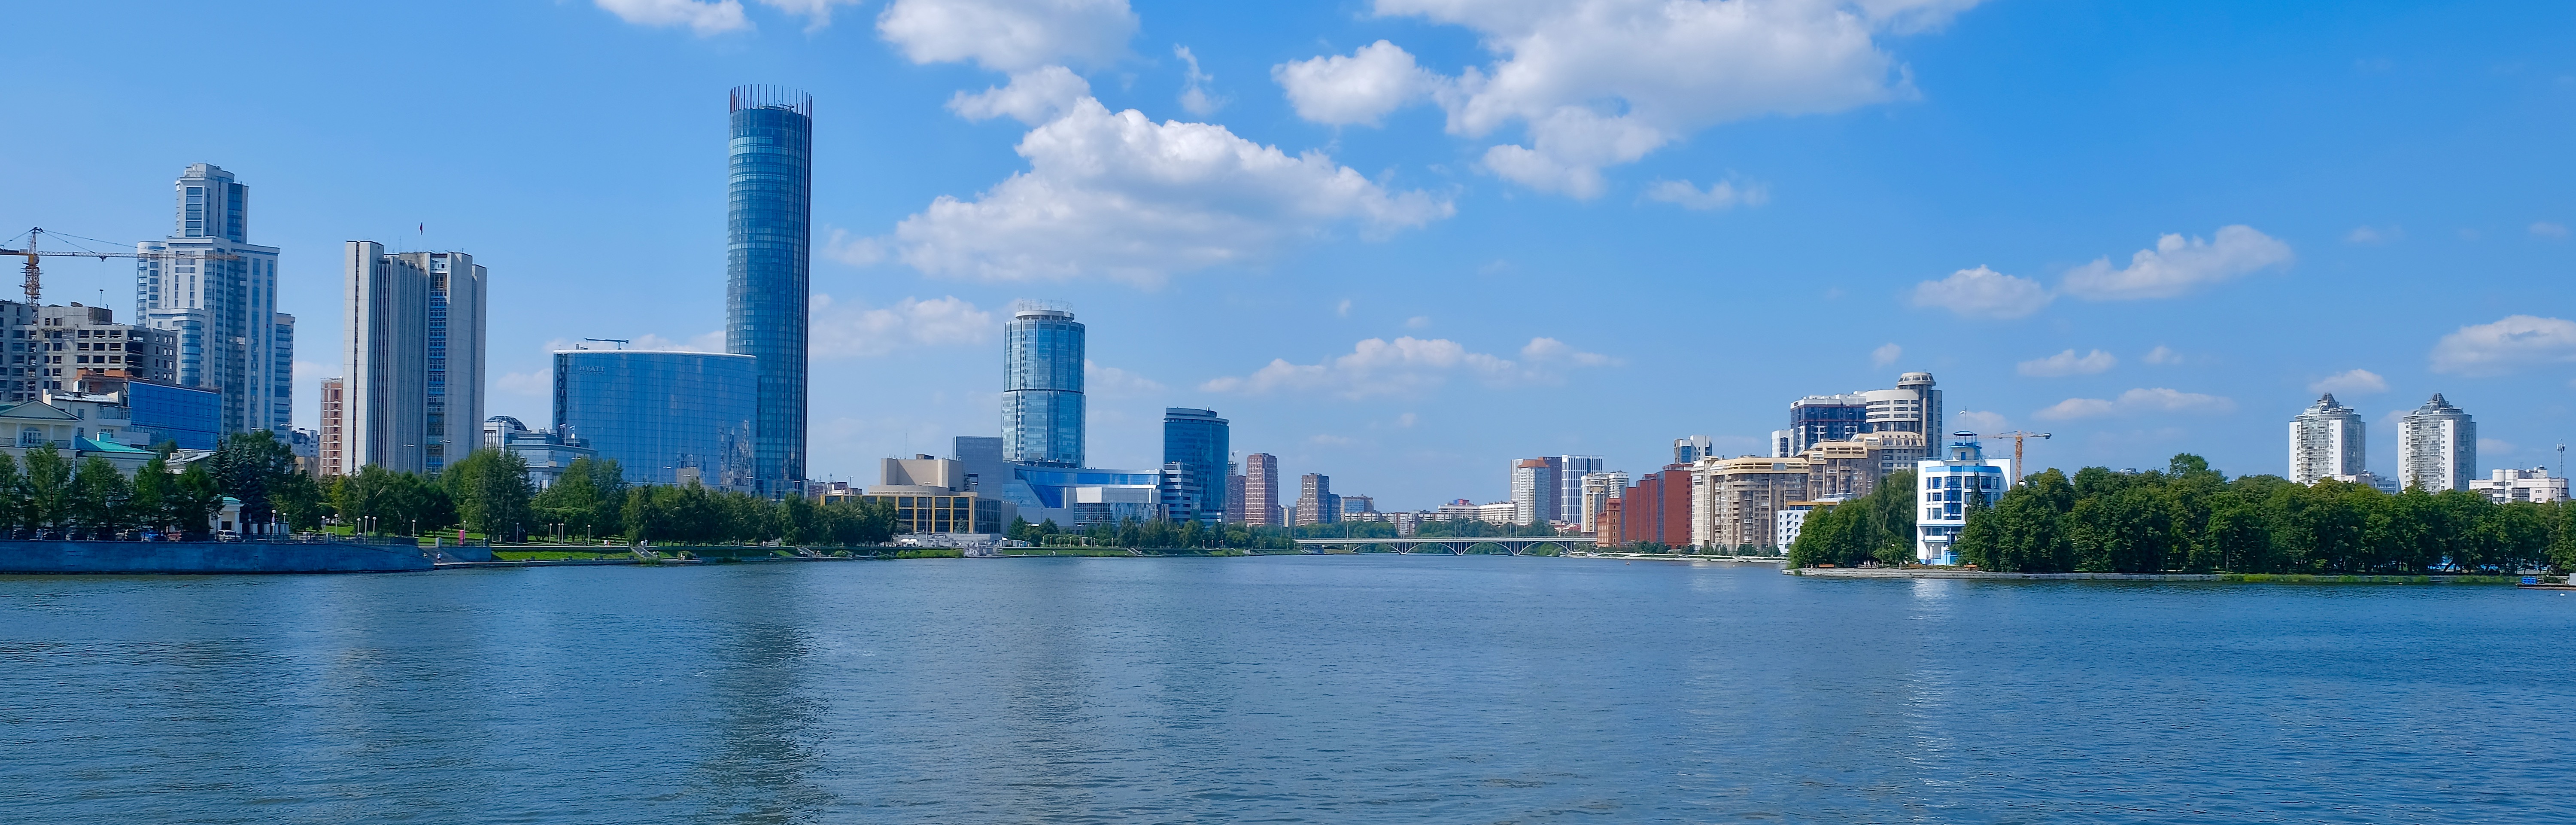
x,y
1404,242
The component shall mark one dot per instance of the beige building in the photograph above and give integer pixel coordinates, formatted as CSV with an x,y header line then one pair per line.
x,y
930,496
1734,501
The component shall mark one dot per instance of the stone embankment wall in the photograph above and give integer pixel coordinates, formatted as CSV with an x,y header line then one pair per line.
x,y
207,557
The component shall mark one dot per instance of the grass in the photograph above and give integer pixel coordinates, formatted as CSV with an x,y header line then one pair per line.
x,y
555,555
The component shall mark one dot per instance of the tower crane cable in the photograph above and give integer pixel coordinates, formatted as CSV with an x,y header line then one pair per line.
x,y
35,272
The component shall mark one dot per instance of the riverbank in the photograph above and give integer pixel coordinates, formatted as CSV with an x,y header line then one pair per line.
x,y
2237,578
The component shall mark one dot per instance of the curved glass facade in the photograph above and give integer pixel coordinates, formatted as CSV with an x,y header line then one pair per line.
x,y
660,413
1197,440
1042,388
768,249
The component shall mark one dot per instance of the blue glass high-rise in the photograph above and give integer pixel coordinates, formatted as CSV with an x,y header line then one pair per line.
x,y
664,416
769,247
1198,440
1042,386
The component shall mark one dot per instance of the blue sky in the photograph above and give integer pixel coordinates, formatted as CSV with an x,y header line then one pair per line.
x,y
1516,228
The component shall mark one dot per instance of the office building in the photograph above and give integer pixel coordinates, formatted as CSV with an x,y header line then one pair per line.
x,y
1570,470
1690,448
2516,484
664,417
929,495
1947,487
768,251
2437,447
1535,492
1734,501
1818,418
1606,530
1599,489
548,452
1261,490
334,428
1235,510
1042,401
1081,497
986,471
62,349
190,418
1316,503
219,302
2327,440
1914,406
413,393
1197,441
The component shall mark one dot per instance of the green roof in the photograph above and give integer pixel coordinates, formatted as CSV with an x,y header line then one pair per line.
x,y
92,445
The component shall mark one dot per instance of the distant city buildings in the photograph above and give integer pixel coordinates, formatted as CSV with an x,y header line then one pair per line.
x,y
62,348
1914,406
2437,447
1599,489
768,282
219,302
664,417
334,453
1658,508
1261,490
1733,500
1535,492
1947,487
548,453
2515,484
1570,470
1316,503
931,495
412,399
1198,441
1689,448
2327,440
1042,400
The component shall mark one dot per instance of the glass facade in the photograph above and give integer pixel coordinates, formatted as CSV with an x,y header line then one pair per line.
x,y
186,416
945,514
1197,440
768,249
1042,388
664,416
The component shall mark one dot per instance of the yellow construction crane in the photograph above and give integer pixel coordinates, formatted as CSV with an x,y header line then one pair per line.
x,y
35,274
2016,436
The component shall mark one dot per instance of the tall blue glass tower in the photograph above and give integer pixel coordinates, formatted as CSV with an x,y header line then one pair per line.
x,y
1198,440
1042,386
769,247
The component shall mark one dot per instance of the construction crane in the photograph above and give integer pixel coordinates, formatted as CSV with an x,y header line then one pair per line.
x,y
35,273
2017,436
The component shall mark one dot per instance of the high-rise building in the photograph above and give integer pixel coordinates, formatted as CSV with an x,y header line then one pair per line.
x,y
1042,402
2437,447
1316,503
665,417
1658,509
220,302
1913,407
1599,490
1197,440
1570,470
334,433
1690,448
62,348
1236,512
1735,501
414,387
1261,490
2326,440
1826,418
1535,492
768,252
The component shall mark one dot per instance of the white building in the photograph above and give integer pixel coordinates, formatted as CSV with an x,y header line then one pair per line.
x,y
221,303
1734,500
1598,490
413,393
1535,492
2534,485
1945,487
2327,440
2437,447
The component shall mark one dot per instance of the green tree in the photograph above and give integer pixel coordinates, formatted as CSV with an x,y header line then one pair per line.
x,y
49,488
13,497
491,492
299,500
247,466
193,500
100,499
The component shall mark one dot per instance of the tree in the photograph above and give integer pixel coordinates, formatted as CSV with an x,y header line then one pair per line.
x,y
247,466
100,498
13,497
49,488
192,501
491,491
299,500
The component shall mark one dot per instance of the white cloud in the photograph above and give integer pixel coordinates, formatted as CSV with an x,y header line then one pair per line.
x,y
2493,447
1417,322
1407,420
2135,402
1978,421
1359,89
1195,98
1112,382
817,13
705,18
2508,345
2351,382
539,384
1343,309
2373,235
1009,35
2162,355
859,331
1596,83
1407,366
307,372
1983,293
1033,97
1885,354
2545,229
840,246
2178,265
1719,195
2068,363
1118,195
709,341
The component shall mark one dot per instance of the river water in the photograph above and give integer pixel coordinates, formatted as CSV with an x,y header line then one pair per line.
x,y
1289,689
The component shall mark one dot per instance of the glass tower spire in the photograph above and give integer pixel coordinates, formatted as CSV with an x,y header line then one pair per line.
x,y
769,243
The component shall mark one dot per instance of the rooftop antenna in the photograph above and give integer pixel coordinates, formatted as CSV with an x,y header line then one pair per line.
x,y
2562,459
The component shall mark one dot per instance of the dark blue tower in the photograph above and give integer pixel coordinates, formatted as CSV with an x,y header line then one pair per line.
x,y
768,253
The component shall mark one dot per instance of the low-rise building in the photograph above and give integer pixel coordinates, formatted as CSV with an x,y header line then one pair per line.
x,y
1946,488
548,452
1792,518
929,496
2515,484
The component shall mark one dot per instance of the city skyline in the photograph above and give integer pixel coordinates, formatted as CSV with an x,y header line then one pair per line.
x,y
1392,348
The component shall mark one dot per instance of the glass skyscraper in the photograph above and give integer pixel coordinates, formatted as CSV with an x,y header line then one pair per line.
x,y
1042,386
666,417
219,298
1197,440
769,239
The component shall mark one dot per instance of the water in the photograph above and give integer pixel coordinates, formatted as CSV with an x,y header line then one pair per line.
x,y
1300,689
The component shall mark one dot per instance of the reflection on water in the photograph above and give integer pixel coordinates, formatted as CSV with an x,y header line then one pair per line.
x,y
1340,689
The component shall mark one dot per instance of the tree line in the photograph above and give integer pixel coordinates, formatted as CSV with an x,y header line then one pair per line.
x,y
48,495
1877,527
1159,534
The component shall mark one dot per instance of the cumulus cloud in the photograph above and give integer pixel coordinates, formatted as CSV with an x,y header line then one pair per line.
x,y
2350,382
705,18
855,251
856,330
1009,35
2545,229
1417,322
540,384
1885,354
2515,343
1983,293
2178,265
1408,365
1195,97
1111,382
2162,355
1719,195
1356,90
1119,195
817,13
1596,83
2068,363
1033,97
2136,402
1979,421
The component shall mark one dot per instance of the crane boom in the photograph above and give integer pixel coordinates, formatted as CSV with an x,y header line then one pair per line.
x,y
2017,436
35,273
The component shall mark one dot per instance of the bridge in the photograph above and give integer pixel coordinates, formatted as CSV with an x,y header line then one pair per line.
x,y
1515,545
